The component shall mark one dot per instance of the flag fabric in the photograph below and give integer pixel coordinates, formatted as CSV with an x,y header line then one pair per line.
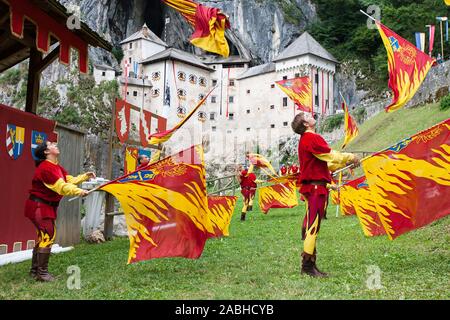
x,y
299,90
145,127
130,159
447,2
355,198
350,127
161,137
165,207
420,41
220,212
410,181
122,121
431,32
261,162
209,25
407,66
282,195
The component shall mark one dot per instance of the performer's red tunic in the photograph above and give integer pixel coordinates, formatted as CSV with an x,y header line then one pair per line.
x,y
47,172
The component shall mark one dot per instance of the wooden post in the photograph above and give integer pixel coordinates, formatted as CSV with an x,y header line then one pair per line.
x,y
109,206
34,77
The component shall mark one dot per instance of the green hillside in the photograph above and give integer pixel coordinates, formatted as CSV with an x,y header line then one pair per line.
x,y
385,129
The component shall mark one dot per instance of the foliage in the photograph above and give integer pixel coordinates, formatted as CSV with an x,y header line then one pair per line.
x,y
88,106
343,30
332,122
117,53
359,115
445,103
10,77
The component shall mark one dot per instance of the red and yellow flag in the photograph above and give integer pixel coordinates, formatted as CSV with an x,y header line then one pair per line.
x,y
209,25
408,67
165,207
355,199
299,90
410,181
278,196
220,212
447,2
351,129
161,137
261,162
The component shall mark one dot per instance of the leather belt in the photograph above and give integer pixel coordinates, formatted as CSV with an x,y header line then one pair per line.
x,y
50,203
315,182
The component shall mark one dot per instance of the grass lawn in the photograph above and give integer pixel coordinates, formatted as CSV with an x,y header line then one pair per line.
x,y
259,260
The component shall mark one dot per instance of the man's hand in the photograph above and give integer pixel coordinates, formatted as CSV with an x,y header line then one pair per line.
x,y
84,193
356,161
333,187
91,175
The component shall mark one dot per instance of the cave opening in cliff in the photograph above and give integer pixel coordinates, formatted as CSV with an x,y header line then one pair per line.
x,y
154,16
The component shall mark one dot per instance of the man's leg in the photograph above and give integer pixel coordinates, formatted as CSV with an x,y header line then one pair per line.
x,y
315,204
46,238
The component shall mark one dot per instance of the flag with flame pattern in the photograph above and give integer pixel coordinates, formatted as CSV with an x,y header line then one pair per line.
x,y
209,25
261,162
165,207
410,181
220,212
351,130
408,67
282,195
161,137
355,199
299,90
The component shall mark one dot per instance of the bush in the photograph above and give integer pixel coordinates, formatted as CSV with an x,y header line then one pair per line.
x,y
10,77
445,103
332,122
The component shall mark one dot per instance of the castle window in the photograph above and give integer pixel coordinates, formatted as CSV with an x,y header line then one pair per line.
x,y
272,126
285,102
231,116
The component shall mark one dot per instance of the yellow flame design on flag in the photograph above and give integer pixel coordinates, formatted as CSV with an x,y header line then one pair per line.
x,y
221,213
351,130
281,195
303,98
360,200
404,84
148,200
391,174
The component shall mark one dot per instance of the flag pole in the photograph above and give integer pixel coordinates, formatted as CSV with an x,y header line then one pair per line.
x,y
339,194
368,15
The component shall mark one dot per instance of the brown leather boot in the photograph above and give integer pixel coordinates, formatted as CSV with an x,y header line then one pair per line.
x,y
43,255
243,216
308,266
34,264
313,258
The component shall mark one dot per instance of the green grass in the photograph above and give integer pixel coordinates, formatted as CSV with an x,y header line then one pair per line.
x,y
385,129
259,260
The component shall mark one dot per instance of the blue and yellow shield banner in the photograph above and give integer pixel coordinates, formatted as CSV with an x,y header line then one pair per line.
x,y
36,139
15,138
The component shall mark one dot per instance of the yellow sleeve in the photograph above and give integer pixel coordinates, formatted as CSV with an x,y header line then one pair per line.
x,y
76,180
335,160
64,188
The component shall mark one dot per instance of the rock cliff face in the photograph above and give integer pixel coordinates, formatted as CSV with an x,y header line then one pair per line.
x,y
264,26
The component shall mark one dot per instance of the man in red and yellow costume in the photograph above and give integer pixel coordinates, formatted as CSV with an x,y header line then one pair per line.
x,y
50,183
248,189
316,161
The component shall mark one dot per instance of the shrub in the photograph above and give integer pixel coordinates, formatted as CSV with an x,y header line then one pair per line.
x,y
332,122
445,103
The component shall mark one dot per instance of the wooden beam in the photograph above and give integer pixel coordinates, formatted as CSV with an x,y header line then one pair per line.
x,y
16,48
49,58
34,79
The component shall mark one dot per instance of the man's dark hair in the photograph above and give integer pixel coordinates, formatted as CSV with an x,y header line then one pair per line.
x,y
298,125
39,153
140,157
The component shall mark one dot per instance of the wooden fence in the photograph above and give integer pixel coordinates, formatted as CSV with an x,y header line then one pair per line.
x,y
71,147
